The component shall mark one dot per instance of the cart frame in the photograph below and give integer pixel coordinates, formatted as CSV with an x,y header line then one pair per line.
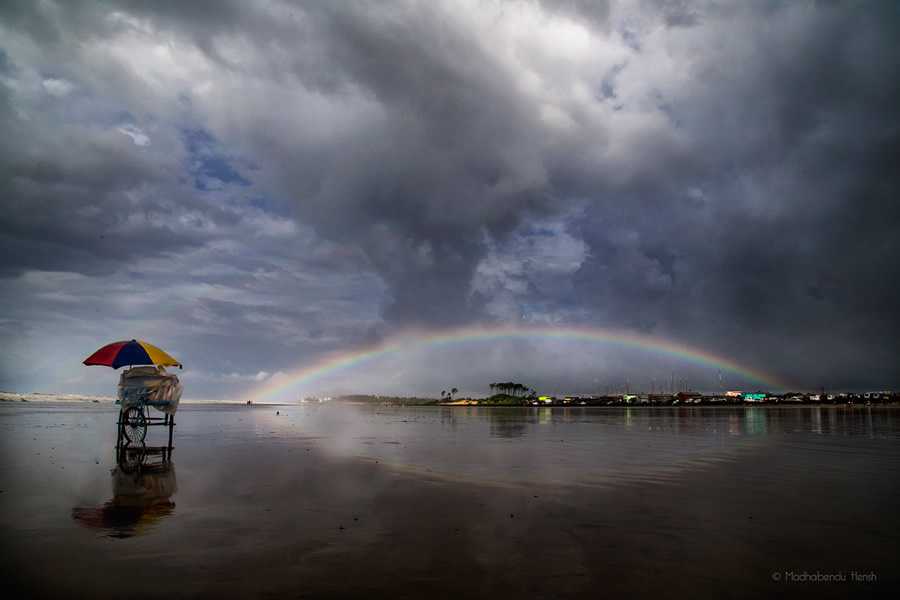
x,y
132,430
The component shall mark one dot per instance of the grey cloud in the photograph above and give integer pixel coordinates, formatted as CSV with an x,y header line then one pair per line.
x,y
792,218
722,174
443,166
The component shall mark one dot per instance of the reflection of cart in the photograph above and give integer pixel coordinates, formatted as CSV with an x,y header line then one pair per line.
x,y
141,498
139,389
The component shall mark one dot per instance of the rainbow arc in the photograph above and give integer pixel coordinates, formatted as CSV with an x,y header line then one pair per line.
x,y
332,365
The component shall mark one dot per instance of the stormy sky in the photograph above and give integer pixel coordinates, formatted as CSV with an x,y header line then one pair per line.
x,y
257,186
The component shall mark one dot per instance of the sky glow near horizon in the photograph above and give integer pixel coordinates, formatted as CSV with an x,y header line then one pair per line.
x,y
276,193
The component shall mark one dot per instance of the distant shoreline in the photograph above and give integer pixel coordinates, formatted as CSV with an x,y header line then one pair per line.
x,y
62,398
13,397
82,399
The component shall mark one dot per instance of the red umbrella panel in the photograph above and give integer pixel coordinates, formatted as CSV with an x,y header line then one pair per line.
x,y
120,354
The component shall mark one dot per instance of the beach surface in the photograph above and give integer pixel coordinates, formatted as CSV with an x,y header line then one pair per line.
x,y
338,501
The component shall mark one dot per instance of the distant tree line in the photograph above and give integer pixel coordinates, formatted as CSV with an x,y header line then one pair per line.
x,y
511,388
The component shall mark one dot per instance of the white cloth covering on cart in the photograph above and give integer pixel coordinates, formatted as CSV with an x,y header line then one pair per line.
x,y
159,388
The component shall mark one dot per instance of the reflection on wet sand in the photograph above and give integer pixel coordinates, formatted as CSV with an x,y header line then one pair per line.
x,y
749,420
507,423
337,501
141,498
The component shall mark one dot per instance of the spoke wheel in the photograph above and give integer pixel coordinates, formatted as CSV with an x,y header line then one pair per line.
x,y
133,458
134,425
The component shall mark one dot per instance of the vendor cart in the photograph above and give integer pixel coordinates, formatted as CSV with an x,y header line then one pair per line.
x,y
141,388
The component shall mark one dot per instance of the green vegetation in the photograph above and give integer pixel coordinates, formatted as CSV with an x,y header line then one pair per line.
x,y
502,400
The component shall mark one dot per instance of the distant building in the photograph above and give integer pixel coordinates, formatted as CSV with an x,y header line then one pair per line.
x,y
754,396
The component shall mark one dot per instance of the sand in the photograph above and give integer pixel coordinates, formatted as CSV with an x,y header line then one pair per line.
x,y
261,508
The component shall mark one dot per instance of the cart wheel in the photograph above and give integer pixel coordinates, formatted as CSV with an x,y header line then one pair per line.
x,y
134,425
133,458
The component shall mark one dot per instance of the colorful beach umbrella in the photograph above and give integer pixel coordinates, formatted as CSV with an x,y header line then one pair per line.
x,y
120,354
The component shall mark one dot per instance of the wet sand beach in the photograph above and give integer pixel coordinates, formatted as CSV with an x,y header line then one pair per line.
x,y
347,502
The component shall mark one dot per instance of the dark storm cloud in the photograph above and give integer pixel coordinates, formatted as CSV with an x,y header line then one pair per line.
x,y
773,240
419,186
443,166
719,173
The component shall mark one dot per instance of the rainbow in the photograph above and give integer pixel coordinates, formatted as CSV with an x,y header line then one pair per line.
x,y
417,340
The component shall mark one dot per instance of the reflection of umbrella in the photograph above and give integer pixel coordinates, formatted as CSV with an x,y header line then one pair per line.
x,y
134,352
123,521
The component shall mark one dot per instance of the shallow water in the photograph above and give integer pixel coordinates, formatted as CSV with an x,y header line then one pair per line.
x,y
341,500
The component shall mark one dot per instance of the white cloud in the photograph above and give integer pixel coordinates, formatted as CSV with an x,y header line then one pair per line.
x,y
259,376
58,87
532,267
135,133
